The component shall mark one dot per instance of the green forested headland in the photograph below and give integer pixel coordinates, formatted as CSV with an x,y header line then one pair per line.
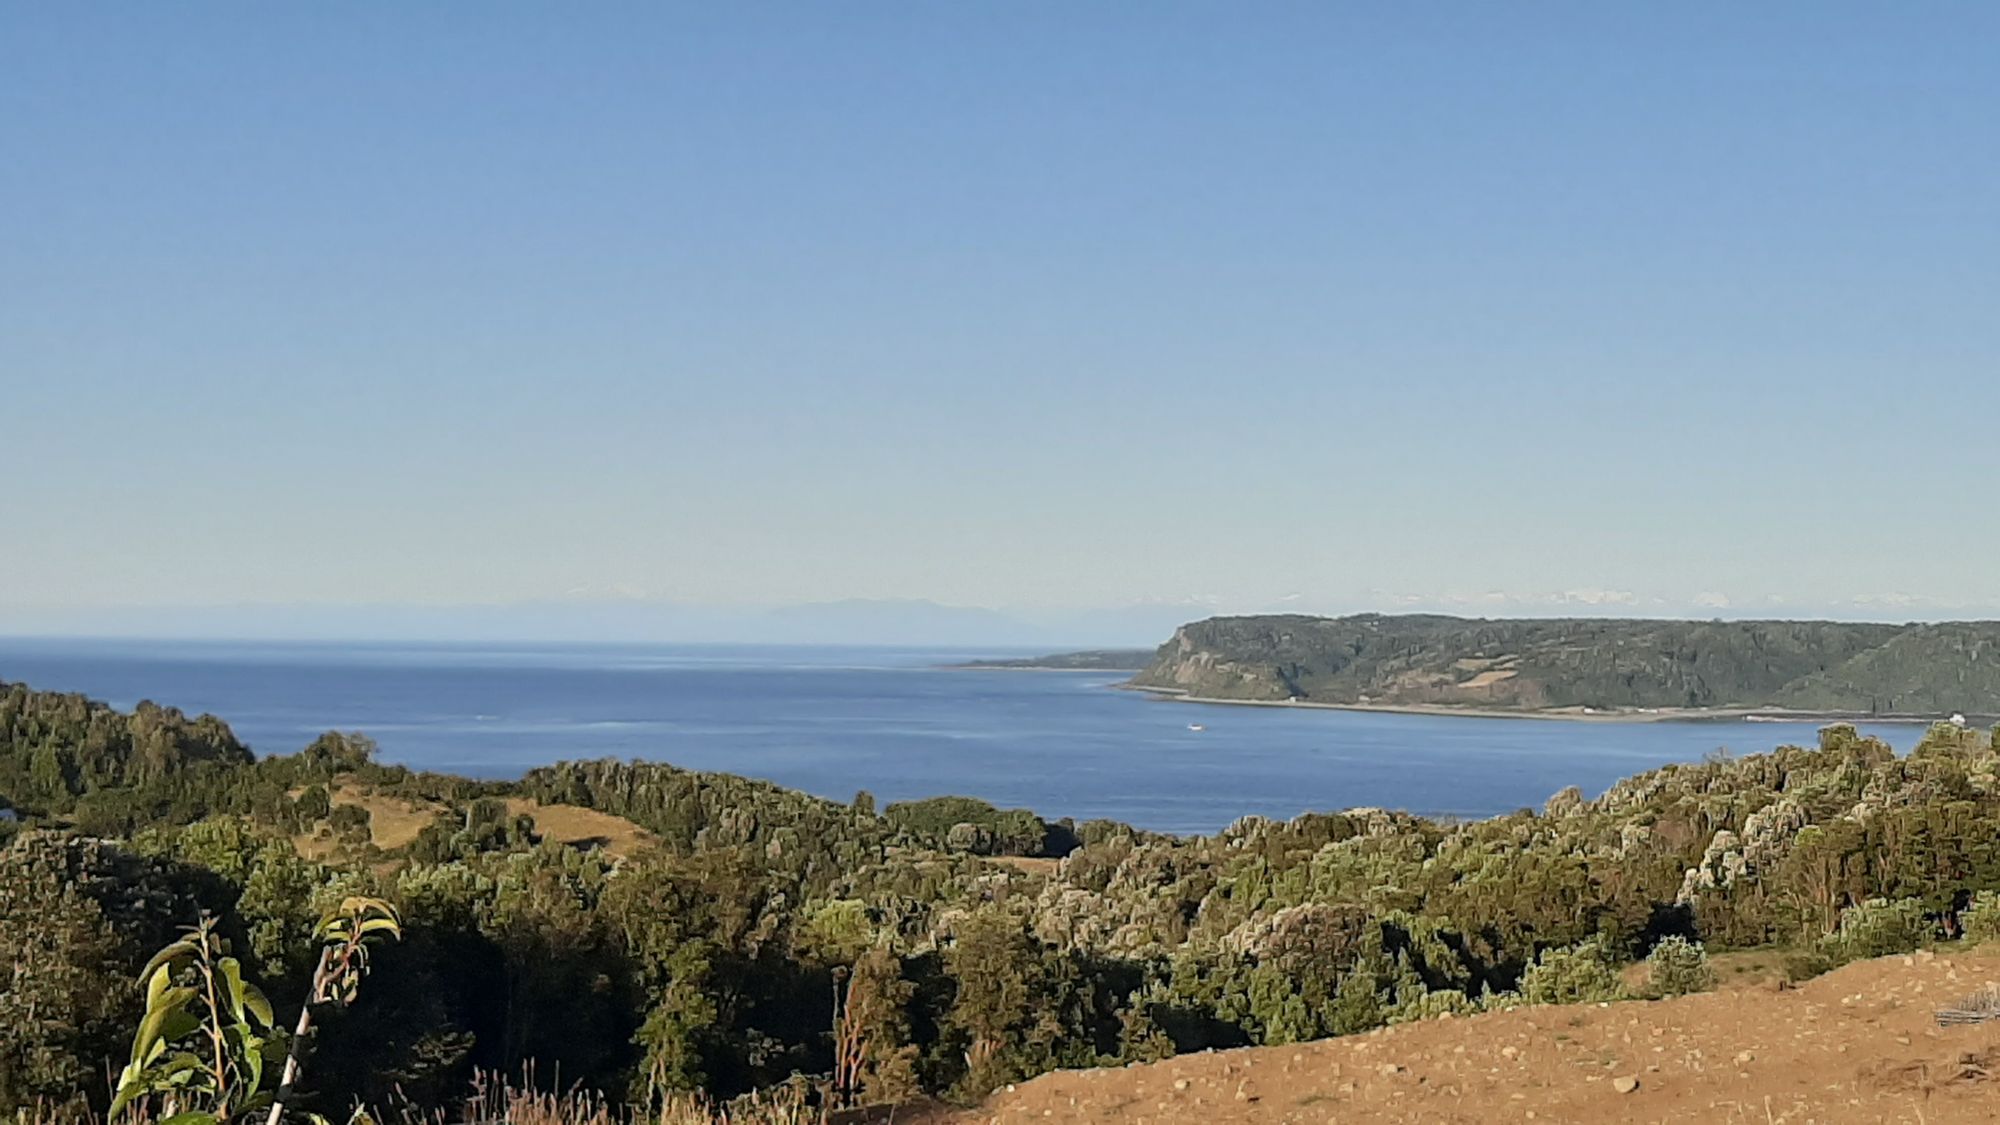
x,y
1601,663
965,946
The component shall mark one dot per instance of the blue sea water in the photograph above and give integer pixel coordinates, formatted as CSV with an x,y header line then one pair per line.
x,y
892,721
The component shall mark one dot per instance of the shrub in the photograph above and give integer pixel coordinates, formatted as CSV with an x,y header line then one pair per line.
x,y
1877,928
313,805
1981,920
1805,964
1357,1005
968,837
350,820
1678,966
1432,1005
1573,975
968,824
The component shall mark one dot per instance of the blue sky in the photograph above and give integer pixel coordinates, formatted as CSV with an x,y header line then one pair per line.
x,y
1505,308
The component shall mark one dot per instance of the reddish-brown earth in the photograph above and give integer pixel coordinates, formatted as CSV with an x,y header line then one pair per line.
x,y
1858,1045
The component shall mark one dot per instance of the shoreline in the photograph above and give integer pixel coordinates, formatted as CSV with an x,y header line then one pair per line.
x,y
975,666
1660,715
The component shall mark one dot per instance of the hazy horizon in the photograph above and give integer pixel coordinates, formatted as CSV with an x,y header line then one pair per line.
x,y
865,622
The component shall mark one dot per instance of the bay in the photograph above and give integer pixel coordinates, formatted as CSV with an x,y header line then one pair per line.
x,y
893,721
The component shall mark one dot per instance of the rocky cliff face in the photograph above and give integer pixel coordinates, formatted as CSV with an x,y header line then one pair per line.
x,y
1286,665
1364,659
1183,665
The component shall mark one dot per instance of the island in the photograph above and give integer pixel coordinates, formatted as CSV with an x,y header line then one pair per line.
x,y
1586,667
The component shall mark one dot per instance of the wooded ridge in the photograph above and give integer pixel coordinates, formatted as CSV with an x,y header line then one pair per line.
x,y
1929,670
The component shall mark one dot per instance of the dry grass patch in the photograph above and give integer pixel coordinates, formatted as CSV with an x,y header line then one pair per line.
x,y
393,822
1033,865
577,826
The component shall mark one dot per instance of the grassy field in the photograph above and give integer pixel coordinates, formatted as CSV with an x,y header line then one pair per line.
x,y
394,823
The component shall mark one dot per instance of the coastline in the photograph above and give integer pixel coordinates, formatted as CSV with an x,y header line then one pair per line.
x,y
1659,715
976,667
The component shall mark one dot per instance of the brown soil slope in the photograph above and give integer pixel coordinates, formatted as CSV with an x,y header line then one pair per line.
x,y
1857,1045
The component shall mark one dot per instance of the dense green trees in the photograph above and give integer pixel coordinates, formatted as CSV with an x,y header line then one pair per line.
x,y
770,933
1820,666
57,751
57,1017
966,824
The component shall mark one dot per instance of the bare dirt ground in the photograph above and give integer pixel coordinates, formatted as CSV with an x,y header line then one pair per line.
x,y
1859,1045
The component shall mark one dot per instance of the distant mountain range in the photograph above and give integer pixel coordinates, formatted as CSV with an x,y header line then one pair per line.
x,y
1597,663
905,622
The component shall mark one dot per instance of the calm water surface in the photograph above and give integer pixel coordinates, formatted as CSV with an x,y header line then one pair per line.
x,y
835,720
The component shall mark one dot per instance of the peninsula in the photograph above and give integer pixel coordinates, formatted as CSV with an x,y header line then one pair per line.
x,y
1096,660
1586,667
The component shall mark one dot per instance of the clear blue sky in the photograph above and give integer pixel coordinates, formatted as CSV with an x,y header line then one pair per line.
x,y
1509,307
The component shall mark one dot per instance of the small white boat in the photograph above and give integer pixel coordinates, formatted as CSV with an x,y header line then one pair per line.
x,y
1196,727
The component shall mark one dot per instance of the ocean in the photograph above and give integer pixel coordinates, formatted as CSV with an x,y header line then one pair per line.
x,y
895,722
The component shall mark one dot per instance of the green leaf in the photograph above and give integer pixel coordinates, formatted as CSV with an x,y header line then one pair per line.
x,y
128,1088
153,1030
232,979
157,982
172,955
178,1025
173,1027
253,1057
255,1002
190,1119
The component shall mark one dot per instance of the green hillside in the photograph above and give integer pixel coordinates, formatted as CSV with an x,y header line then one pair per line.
x,y
1931,669
1575,663
764,944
